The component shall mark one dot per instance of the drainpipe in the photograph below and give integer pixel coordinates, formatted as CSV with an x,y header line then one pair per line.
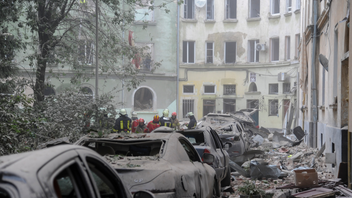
x,y
314,88
177,56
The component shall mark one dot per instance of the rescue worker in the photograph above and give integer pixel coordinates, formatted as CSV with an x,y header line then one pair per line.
x,y
192,121
175,124
141,126
134,121
123,123
152,124
165,120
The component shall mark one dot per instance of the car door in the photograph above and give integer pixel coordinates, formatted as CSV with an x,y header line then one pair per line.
x,y
219,150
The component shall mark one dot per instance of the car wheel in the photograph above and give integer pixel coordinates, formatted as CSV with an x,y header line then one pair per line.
x,y
227,180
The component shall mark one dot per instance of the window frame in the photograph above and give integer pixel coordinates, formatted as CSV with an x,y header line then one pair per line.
x,y
273,93
272,49
148,48
283,88
272,4
185,9
188,52
227,9
190,108
183,89
289,6
250,10
89,57
255,53
298,4
226,100
206,52
149,11
270,104
209,93
287,48
225,51
226,87
211,11
297,43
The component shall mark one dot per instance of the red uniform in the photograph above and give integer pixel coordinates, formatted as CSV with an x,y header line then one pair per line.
x,y
151,126
134,125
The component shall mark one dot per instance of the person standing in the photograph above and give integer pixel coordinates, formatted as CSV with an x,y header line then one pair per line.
x,y
175,124
141,126
192,121
134,121
123,123
165,120
152,124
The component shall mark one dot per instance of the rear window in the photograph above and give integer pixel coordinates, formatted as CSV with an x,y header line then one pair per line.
x,y
196,138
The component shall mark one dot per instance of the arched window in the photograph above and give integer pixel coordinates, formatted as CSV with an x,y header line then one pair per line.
x,y
87,92
143,99
252,87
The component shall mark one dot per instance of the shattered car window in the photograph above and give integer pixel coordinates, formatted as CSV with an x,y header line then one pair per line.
x,y
104,185
196,138
64,184
192,154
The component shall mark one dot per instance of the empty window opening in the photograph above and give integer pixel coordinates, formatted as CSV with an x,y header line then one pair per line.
x,y
286,105
143,100
229,89
273,88
287,48
230,52
229,105
210,9
336,59
275,7
333,151
231,9
253,104
208,107
321,139
188,9
188,88
254,8
87,93
187,106
209,52
188,51
253,53
273,107
209,89
252,87
275,49
288,6
286,88
146,57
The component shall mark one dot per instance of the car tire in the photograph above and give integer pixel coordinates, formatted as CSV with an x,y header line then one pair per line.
x,y
227,180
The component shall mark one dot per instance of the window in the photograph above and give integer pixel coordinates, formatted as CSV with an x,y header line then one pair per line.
x,y
67,183
8,42
287,48
288,6
210,9
187,106
208,107
191,152
209,52
86,52
273,88
143,99
188,51
229,89
336,60
273,107
286,88
229,105
143,12
254,8
188,89
87,93
253,53
298,4
146,57
275,47
297,42
188,9
231,9
275,7
230,52
253,104
209,89
252,87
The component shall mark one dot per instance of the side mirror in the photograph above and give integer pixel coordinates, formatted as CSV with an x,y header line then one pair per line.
x,y
227,146
208,158
143,194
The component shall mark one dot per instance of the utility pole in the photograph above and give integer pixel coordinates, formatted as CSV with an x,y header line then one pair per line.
x,y
96,50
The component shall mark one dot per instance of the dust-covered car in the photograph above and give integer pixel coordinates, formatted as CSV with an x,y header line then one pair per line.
x,y
165,164
206,140
61,171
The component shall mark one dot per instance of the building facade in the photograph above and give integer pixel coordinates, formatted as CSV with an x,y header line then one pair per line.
x,y
239,54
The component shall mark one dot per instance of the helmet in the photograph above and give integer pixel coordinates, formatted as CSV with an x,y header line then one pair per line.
x,y
141,120
123,112
134,114
166,113
174,114
190,114
156,118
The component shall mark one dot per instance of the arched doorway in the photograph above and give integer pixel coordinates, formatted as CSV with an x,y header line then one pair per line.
x,y
143,99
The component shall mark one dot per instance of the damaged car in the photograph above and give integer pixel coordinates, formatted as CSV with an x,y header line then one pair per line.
x,y
165,164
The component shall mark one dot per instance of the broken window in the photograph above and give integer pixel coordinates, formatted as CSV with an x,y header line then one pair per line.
x,y
252,87
286,88
209,89
275,7
188,51
273,88
231,9
210,51
254,8
188,88
253,104
230,52
229,105
229,89
208,107
86,52
287,48
188,9
273,107
143,11
87,93
146,61
210,9
253,53
143,100
275,47
187,106
297,42
288,6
